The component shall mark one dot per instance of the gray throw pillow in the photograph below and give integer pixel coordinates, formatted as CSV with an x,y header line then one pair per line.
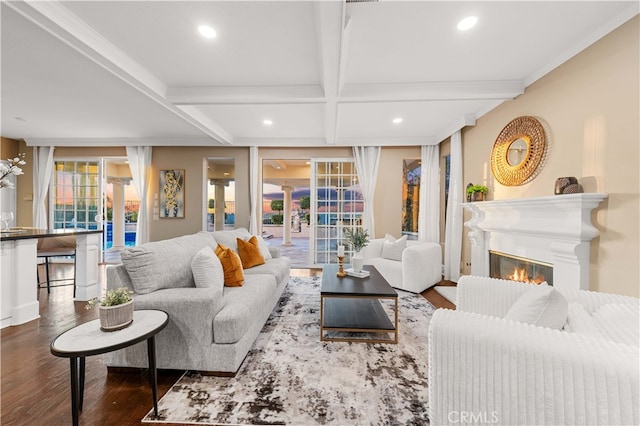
x,y
163,264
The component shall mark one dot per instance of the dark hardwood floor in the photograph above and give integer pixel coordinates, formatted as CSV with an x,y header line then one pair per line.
x,y
35,385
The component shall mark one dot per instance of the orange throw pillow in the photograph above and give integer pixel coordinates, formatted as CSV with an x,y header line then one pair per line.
x,y
249,252
231,265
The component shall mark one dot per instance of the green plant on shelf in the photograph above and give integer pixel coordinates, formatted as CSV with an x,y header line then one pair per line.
x,y
476,188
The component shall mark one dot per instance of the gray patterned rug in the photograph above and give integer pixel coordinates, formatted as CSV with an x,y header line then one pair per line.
x,y
290,377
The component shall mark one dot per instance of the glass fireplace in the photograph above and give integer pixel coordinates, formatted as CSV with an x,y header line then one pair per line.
x,y
516,268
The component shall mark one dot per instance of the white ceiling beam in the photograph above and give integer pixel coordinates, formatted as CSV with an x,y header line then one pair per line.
x,y
58,21
106,142
280,142
227,95
194,112
388,141
330,18
448,130
344,48
432,91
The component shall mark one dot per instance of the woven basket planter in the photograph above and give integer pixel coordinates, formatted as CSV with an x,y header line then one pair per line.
x,y
116,317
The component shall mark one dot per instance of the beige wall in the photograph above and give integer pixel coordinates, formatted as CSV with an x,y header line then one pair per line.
x,y
24,182
192,159
591,108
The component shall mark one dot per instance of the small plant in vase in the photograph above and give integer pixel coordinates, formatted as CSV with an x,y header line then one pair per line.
x,y
116,309
476,192
358,239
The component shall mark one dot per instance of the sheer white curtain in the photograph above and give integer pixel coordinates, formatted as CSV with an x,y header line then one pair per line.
x,y
429,219
140,164
42,169
367,161
253,189
453,228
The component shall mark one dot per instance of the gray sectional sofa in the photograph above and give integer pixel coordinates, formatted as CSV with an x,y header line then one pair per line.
x,y
210,329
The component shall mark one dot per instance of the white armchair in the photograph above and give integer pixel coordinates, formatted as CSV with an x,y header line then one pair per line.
x,y
419,269
483,368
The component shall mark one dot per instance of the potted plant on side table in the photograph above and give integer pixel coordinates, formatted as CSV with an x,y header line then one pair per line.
x,y
358,238
116,309
476,192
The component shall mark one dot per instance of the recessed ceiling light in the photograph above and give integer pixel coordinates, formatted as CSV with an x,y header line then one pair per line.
x,y
467,23
397,120
207,31
267,122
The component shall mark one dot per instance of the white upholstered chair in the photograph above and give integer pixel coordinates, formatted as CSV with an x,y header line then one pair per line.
x,y
505,372
415,269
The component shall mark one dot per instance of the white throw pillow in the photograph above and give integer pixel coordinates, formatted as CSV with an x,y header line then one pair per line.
x,y
392,248
542,305
207,269
228,238
579,321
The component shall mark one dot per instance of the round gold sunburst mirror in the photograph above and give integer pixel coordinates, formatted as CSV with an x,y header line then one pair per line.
x,y
518,152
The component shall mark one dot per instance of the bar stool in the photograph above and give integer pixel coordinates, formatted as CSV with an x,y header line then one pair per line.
x,y
56,247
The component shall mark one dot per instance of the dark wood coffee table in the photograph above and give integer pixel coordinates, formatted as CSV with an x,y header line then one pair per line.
x,y
352,305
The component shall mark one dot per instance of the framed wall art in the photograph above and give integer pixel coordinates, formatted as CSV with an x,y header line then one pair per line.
x,y
172,194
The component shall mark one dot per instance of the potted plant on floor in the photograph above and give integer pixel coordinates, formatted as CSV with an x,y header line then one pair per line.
x,y
476,192
116,309
358,238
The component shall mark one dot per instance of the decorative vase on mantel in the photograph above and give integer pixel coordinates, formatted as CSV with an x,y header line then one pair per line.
x,y
567,185
116,317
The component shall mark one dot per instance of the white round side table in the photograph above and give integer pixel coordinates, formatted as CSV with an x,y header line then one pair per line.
x,y
87,339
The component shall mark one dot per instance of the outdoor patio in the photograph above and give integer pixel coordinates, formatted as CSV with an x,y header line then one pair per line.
x,y
298,251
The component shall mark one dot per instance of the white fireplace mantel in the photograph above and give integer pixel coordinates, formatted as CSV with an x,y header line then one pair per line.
x,y
555,229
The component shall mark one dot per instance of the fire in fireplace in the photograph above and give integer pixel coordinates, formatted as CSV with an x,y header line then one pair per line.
x,y
517,268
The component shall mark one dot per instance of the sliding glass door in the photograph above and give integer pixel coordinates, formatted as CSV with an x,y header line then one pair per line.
x,y
336,203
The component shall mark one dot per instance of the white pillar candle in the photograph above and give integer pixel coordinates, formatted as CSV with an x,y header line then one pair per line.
x,y
340,251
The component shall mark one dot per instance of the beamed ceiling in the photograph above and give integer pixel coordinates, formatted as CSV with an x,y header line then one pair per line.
x,y
325,73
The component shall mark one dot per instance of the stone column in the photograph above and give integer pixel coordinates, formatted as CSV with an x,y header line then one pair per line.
x,y
218,218
118,211
286,221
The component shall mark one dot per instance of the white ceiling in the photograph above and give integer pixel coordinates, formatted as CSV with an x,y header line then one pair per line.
x,y
325,72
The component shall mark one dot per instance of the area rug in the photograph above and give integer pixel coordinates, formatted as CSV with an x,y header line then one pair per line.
x,y
290,377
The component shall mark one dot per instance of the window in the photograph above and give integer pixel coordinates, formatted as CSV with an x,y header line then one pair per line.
x,y
410,197
76,194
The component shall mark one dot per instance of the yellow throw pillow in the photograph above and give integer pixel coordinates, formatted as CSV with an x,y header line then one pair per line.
x,y
249,252
231,265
